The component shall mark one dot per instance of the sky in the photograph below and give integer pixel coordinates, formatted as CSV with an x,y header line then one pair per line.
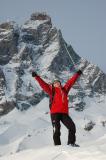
x,y
82,22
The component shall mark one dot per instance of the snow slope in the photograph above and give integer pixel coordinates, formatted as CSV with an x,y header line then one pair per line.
x,y
28,134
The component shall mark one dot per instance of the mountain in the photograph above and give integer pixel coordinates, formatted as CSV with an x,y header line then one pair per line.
x,y
38,45
26,131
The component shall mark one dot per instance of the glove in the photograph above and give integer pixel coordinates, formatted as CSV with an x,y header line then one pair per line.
x,y
79,72
34,74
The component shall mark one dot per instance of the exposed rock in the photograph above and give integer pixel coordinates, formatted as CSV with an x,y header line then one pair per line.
x,y
8,42
40,16
6,107
2,84
89,126
103,123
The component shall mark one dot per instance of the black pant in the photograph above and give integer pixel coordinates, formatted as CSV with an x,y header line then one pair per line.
x,y
67,121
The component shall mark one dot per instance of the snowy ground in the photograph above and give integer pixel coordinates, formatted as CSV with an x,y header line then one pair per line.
x,y
28,134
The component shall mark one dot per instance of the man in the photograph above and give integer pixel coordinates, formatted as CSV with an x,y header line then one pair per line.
x,y
59,106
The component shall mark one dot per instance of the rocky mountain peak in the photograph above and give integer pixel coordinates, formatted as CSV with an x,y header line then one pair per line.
x,y
40,16
8,25
36,29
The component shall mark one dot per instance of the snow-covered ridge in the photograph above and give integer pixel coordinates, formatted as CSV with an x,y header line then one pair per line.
x,y
28,134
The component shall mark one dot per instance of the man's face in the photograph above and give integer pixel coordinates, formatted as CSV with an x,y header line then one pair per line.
x,y
57,84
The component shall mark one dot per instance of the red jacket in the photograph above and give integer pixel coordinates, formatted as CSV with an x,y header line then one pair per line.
x,y
60,100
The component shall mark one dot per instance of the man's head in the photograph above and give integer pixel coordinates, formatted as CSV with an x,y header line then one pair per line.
x,y
57,83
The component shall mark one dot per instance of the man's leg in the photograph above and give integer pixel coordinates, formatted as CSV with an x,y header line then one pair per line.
x,y
55,118
68,122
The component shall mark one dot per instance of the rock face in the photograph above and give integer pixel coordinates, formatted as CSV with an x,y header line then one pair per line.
x,y
2,84
8,42
40,46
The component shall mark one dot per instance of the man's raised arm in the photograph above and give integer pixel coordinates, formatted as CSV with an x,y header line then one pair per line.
x,y
45,86
72,80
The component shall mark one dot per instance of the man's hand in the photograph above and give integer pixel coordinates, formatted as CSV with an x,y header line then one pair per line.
x,y
34,74
79,72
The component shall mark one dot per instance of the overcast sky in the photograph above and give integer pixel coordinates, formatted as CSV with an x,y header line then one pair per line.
x,y
83,22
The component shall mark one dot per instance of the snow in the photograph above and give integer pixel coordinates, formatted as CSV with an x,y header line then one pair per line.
x,y
96,79
11,77
21,48
6,32
28,134
33,24
48,56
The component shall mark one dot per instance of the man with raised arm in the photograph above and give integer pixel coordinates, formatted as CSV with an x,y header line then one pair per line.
x,y
59,110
